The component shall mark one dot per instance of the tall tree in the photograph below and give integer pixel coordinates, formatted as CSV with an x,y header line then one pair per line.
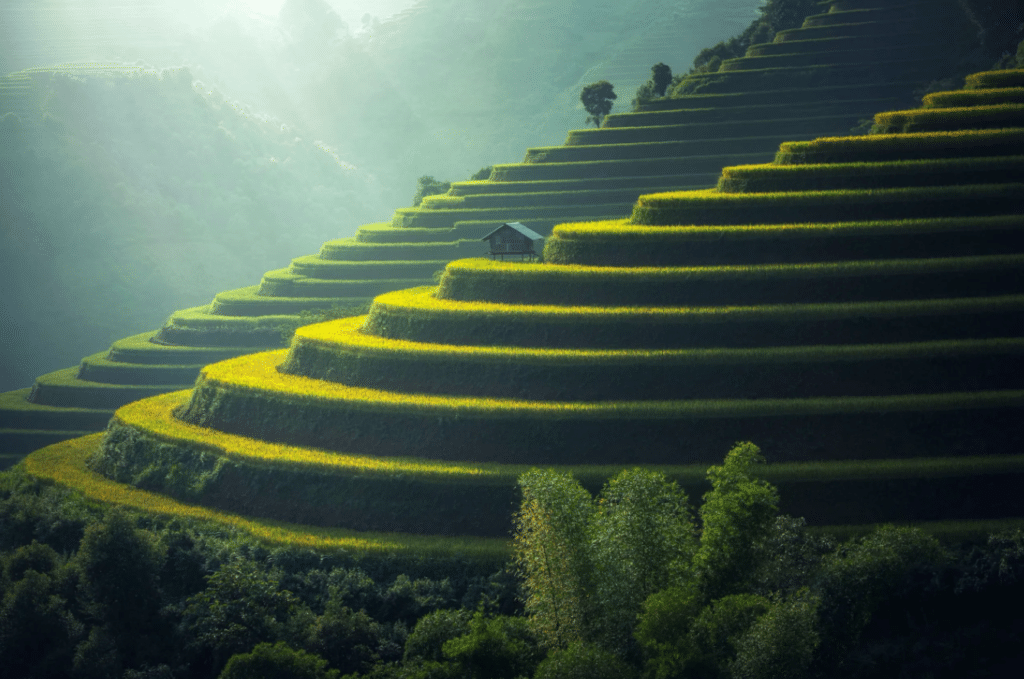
x,y
661,76
597,100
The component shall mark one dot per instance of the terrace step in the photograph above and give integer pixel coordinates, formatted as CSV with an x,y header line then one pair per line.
x,y
860,55
838,44
284,284
866,108
143,349
338,352
639,185
198,327
786,94
714,148
314,266
486,280
247,302
99,368
413,217
769,79
713,208
18,412
634,167
617,243
999,116
769,177
745,129
416,315
376,424
904,147
474,499
484,201
351,250
1004,95
17,443
64,389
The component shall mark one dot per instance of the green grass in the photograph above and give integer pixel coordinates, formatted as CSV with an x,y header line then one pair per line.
x,y
66,465
854,29
659,149
416,218
339,352
247,302
139,349
549,198
351,250
558,186
713,207
995,79
99,368
198,327
995,116
824,281
417,315
312,266
911,146
64,389
856,53
638,167
991,97
17,412
389,234
931,172
286,285
620,243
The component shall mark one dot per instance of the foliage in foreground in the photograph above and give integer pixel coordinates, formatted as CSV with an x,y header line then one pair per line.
x,y
632,583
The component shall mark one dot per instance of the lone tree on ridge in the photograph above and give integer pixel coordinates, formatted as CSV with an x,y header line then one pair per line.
x,y
661,76
597,100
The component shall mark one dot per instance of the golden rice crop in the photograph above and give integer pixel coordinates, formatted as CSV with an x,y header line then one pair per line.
x,y
65,464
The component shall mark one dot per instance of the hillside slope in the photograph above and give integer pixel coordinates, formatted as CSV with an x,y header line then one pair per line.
x,y
854,307
598,173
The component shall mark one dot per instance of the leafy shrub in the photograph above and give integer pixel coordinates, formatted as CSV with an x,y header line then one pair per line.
x,y
583,661
277,661
495,647
432,631
428,186
776,15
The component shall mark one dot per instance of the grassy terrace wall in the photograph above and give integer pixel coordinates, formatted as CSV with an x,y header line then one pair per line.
x,y
876,361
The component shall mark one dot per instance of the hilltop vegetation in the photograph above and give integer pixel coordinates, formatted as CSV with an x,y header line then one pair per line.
x,y
635,584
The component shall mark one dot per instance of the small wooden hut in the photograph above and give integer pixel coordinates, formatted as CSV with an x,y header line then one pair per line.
x,y
512,239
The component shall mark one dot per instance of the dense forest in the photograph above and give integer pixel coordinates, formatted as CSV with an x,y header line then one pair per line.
x,y
635,582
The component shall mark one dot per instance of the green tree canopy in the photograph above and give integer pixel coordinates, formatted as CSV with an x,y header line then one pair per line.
x,y
597,100
661,76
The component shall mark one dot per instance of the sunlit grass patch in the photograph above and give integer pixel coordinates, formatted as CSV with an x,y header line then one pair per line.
x,y
908,146
995,79
553,283
257,375
339,352
65,464
954,98
714,207
773,177
960,118
155,417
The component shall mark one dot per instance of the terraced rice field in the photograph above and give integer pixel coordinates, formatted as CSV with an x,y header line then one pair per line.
x,y
876,361
820,80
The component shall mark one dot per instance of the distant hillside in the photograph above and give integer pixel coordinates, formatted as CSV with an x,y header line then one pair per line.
x,y
453,85
127,194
